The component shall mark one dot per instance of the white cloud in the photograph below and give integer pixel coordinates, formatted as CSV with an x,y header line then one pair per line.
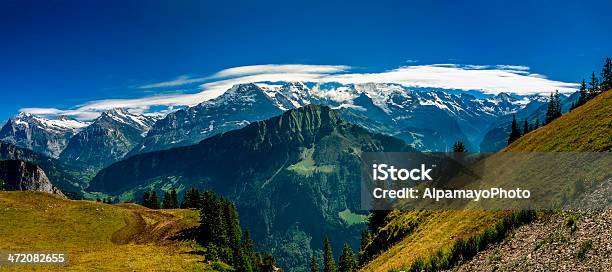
x,y
491,79
179,81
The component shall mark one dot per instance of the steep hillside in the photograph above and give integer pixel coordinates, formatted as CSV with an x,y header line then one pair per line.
x,y
24,176
554,241
291,177
586,128
106,237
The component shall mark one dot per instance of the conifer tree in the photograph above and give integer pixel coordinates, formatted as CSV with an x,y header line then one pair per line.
x,y
593,86
154,200
557,112
515,131
537,124
166,202
174,199
268,264
554,107
329,265
366,239
459,147
347,262
191,200
606,75
584,95
525,127
314,265
146,199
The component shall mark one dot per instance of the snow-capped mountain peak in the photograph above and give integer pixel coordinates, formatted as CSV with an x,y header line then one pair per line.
x,y
43,135
123,116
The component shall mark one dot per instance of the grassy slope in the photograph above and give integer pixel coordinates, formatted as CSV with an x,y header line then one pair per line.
x,y
123,237
587,128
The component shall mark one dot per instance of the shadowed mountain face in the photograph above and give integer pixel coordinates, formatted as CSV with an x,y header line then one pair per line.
x,y
68,178
108,139
24,176
290,176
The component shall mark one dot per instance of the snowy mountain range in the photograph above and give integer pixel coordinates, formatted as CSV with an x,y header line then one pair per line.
x,y
42,135
108,138
430,120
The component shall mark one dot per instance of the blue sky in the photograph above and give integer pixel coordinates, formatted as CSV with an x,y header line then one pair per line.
x,y
66,55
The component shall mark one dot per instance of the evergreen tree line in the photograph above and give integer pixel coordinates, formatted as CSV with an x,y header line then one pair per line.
x,y
596,85
106,200
151,200
220,233
347,261
516,131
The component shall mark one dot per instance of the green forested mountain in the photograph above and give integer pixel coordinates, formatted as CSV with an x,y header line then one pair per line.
x,y
294,178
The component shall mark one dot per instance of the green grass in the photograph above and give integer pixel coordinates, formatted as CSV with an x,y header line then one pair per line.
x,y
584,248
97,236
307,166
351,218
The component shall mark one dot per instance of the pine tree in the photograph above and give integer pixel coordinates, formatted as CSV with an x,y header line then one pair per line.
x,y
584,95
557,113
606,75
366,239
154,200
248,247
166,202
549,109
515,131
146,199
191,200
232,224
537,124
525,127
593,86
314,265
554,107
459,147
329,265
347,262
268,264
174,199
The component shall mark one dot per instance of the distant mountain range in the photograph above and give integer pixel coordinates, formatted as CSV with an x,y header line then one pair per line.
x,y
93,144
430,120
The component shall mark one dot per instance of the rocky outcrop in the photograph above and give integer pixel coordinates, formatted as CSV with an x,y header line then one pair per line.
x,y
559,241
25,176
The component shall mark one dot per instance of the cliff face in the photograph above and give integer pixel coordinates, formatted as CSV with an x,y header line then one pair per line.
x,y
24,176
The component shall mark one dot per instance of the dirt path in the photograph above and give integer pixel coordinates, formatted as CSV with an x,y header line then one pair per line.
x,y
149,226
